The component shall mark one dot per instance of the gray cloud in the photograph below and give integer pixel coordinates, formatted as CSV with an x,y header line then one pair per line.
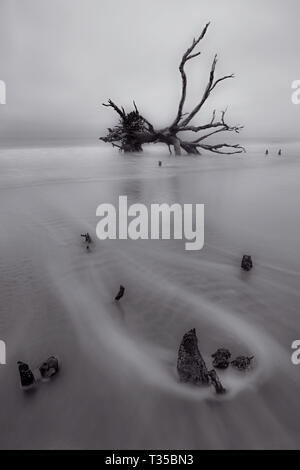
x,y
61,58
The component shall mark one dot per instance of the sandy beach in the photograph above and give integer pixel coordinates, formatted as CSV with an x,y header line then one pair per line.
x,y
118,387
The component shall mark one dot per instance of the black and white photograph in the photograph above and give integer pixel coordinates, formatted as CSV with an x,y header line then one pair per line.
x,y
150,227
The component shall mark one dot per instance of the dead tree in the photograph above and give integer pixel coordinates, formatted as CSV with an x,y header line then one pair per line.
x,y
133,130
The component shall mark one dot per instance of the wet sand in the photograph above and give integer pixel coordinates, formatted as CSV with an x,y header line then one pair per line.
x,y
118,387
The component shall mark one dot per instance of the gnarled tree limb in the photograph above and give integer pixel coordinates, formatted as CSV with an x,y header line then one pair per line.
x,y
134,130
187,56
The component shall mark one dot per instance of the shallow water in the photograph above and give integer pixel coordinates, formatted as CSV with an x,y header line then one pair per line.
x,y
118,386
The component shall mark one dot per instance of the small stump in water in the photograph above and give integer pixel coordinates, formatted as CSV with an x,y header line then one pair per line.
x,y
87,237
26,375
49,368
221,358
216,382
247,263
242,362
191,366
120,294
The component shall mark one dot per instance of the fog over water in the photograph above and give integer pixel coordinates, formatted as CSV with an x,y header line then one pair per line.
x,y
61,59
118,387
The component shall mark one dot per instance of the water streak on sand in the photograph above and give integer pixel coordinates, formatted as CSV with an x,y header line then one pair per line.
x,y
118,387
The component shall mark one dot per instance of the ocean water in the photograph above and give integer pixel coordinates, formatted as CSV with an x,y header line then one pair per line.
x,y
118,386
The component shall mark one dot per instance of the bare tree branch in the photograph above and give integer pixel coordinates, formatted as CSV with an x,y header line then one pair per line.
x,y
135,107
134,130
187,56
205,94
220,80
221,127
193,147
212,124
209,88
151,128
217,148
111,104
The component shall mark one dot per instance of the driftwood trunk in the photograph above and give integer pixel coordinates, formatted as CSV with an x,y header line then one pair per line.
x,y
191,366
134,130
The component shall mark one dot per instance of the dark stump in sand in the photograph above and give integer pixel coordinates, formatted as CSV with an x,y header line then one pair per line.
x,y
120,294
26,375
49,368
242,362
247,263
190,364
216,382
221,358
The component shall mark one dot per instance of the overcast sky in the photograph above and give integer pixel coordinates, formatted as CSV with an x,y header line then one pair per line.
x,y
61,59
